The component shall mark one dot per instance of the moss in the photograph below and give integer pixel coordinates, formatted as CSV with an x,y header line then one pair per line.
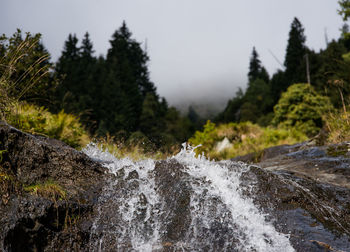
x,y
338,150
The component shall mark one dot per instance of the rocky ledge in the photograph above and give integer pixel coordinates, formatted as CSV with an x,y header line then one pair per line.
x,y
49,194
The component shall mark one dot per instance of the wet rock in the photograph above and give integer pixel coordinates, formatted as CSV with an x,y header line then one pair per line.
x,y
34,222
303,191
315,162
175,190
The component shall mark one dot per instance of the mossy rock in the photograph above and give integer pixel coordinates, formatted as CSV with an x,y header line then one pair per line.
x,y
338,150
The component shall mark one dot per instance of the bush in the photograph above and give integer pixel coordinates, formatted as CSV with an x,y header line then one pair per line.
x,y
243,138
301,107
37,120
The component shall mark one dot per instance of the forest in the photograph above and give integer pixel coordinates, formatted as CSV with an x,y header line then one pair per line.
x,y
112,100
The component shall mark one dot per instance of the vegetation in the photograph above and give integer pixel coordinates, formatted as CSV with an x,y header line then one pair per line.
x,y
301,107
328,71
111,99
243,138
38,120
338,126
24,69
48,189
114,95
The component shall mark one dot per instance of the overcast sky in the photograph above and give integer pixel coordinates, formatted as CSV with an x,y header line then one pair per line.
x,y
198,48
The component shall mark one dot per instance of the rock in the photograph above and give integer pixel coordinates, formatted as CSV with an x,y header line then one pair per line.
x,y
36,223
223,145
324,164
302,190
306,209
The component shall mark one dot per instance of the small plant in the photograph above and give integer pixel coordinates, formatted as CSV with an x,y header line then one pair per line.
x,y
338,126
1,153
49,190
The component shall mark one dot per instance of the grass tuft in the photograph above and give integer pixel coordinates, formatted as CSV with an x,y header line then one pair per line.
x,y
49,190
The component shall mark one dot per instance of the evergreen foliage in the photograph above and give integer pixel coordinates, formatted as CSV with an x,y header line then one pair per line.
x,y
257,99
113,94
329,71
295,54
256,70
303,108
344,9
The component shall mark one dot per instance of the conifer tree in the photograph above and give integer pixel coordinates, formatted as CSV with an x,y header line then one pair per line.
x,y
256,70
295,53
67,71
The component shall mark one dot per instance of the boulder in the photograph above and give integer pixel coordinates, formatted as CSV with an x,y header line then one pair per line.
x,y
43,221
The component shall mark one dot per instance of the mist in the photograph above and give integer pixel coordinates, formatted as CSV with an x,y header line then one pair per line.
x,y
199,50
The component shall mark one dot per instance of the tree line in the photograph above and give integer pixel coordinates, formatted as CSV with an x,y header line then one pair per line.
x,y
327,71
113,94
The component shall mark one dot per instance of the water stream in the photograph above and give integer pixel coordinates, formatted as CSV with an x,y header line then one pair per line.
x,y
187,203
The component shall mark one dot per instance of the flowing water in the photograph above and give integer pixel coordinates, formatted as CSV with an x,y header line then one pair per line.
x,y
194,205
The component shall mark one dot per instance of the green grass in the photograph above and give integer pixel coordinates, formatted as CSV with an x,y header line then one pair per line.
x,y
38,120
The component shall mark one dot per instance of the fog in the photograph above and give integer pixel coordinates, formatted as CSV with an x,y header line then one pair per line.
x,y
199,49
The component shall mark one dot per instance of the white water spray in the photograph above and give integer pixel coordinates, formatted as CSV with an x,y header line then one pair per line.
x,y
131,210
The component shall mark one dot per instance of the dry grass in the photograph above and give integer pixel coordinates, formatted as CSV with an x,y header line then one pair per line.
x,y
12,90
49,190
338,126
244,138
135,151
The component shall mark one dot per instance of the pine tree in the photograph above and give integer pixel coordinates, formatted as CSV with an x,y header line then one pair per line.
x,y
295,53
256,70
122,82
67,70
86,83
344,9
254,66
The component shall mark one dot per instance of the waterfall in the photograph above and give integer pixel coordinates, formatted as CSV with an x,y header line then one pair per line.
x,y
185,203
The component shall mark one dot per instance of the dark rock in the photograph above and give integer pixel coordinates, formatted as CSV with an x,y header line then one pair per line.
x,y
175,190
304,191
36,223
314,162
308,210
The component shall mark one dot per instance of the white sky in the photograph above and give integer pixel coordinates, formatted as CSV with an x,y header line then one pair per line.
x,y
199,49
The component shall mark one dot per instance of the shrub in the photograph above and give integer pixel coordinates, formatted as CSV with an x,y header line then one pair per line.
x,y
244,138
301,107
